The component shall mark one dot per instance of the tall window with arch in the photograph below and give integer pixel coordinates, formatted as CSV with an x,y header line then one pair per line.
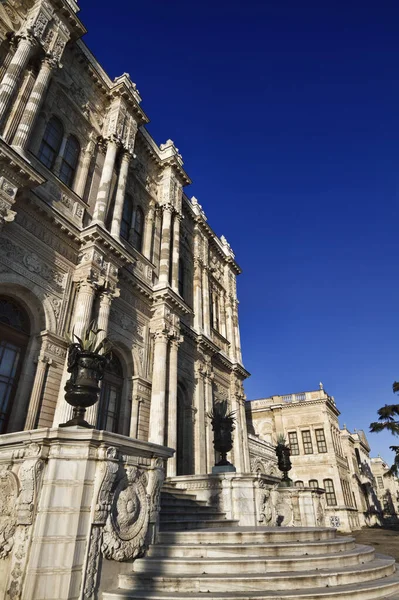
x,y
14,338
51,142
138,229
127,215
70,159
111,396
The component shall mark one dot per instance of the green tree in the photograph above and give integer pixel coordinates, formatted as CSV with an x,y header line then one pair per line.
x,y
388,420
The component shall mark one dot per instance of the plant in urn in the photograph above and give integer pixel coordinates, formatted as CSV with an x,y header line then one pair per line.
x,y
223,426
283,453
87,358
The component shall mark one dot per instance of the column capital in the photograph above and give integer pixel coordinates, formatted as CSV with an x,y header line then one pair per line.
x,y
50,61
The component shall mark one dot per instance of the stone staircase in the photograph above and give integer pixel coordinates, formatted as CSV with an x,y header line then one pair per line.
x,y
201,555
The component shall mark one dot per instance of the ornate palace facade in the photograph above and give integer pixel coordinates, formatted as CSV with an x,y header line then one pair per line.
x,y
95,226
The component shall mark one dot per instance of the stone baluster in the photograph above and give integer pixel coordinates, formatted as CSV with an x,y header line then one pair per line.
x,y
81,180
156,432
164,263
82,317
37,392
148,232
10,80
172,407
35,100
198,295
176,253
120,195
104,189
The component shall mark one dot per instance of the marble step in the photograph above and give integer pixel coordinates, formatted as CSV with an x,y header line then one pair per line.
x,y
380,567
253,565
341,544
385,589
193,524
190,510
172,501
249,535
176,493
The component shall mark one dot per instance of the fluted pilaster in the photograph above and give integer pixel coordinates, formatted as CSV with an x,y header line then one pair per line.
x,y
9,84
176,252
157,425
120,195
100,209
172,407
164,263
36,98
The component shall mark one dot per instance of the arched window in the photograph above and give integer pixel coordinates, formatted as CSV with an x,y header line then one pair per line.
x,y
313,483
127,215
51,142
111,396
137,240
14,337
299,484
181,277
70,160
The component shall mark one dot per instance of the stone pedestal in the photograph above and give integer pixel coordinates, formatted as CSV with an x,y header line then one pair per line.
x,y
76,507
256,500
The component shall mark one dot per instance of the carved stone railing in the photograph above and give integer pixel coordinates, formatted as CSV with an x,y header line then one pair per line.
x,y
67,497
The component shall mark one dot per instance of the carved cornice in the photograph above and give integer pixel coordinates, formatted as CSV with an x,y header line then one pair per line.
x,y
18,168
170,297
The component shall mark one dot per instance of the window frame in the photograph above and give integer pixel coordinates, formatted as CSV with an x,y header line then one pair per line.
x,y
322,442
71,167
293,445
138,233
45,143
330,495
307,443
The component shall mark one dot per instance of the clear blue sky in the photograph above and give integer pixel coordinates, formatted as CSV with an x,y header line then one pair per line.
x,y
287,117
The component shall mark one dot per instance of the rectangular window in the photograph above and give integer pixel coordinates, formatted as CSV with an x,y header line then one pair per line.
x,y
320,440
330,492
307,442
380,481
293,443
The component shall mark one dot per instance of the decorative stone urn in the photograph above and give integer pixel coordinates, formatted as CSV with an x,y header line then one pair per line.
x,y
223,426
283,453
86,364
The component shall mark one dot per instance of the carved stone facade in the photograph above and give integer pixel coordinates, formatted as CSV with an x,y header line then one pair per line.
x,y
95,225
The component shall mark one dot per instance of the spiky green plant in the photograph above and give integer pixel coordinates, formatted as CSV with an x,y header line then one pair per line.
x,y
221,412
88,342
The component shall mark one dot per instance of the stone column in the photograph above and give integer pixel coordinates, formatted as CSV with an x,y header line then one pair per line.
x,y
236,331
102,323
164,265
230,329
222,324
200,423
210,452
35,100
148,231
134,416
237,436
37,391
81,180
120,195
171,417
176,253
245,446
82,317
156,432
101,205
10,80
198,295
205,302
